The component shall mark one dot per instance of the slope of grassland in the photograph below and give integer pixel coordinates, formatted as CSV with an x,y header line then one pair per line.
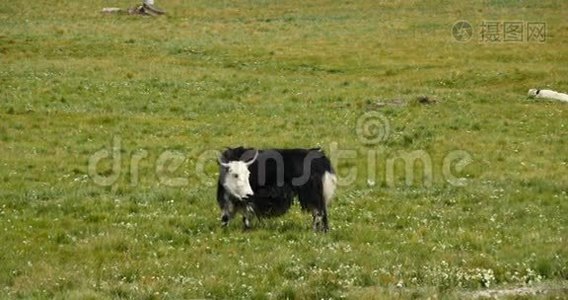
x,y
487,207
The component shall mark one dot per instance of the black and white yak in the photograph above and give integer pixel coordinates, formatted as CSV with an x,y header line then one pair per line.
x,y
264,183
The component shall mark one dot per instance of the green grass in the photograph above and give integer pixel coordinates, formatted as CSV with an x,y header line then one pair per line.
x,y
279,74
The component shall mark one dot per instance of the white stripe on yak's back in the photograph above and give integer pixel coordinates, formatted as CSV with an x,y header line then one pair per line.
x,y
329,183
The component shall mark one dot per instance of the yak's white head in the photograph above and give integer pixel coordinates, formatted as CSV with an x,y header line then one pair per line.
x,y
236,179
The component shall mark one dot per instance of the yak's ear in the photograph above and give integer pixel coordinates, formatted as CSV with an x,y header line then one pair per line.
x,y
222,158
221,162
227,150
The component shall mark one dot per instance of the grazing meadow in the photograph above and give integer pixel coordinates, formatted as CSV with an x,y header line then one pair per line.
x,y
451,181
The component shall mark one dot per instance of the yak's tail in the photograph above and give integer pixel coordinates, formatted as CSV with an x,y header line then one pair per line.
x,y
329,183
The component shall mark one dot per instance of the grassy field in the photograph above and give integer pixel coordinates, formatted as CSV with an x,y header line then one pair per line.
x,y
487,209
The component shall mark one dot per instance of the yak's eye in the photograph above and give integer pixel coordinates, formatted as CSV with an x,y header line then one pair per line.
x,y
236,175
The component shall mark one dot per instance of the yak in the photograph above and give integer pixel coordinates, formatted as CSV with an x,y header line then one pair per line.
x,y
264,183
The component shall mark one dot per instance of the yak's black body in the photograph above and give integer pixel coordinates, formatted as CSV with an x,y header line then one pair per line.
x,y
277,176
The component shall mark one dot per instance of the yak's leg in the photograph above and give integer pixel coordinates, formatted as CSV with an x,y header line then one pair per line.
x,y
248,214
319,220
312,197
246,223
324,223
316,219
227,213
